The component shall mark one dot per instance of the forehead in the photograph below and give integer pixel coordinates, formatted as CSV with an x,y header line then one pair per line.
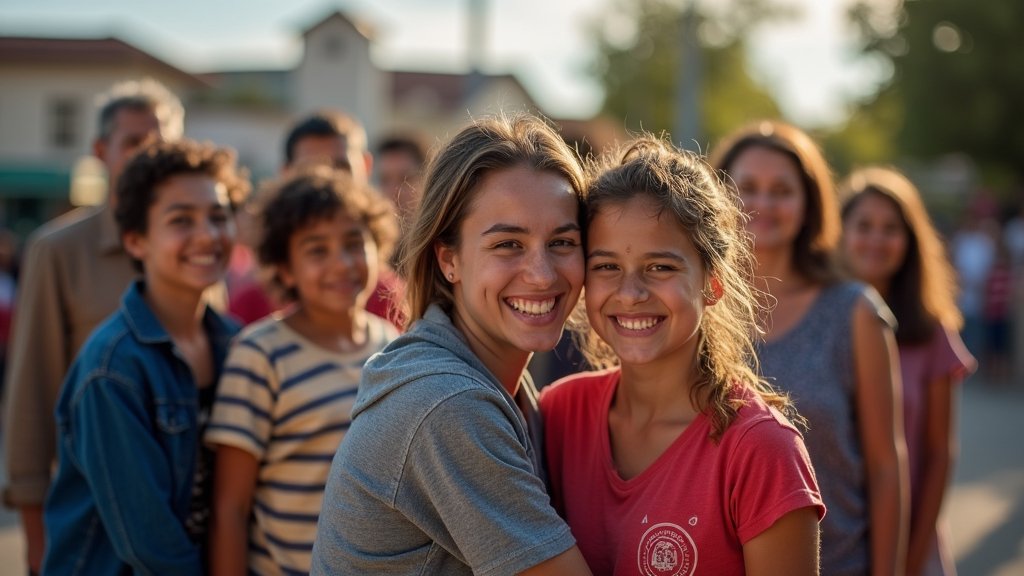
x,y
398,159
874,205
134,120
315,145
189,191
525,197
339,222
638,220
761,160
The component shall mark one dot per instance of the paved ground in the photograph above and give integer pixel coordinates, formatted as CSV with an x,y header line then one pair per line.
x,y
985,511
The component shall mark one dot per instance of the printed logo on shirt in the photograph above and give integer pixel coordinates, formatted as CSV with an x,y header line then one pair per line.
x,y
667,550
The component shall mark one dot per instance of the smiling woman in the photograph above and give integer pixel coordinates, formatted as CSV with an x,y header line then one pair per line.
x,y
675,457
828,342
442,458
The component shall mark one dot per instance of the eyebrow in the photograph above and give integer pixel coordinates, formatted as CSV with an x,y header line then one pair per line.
x,y
667,255
185,207
321,236
513,229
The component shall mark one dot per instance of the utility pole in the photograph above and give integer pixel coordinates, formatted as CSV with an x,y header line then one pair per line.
x,y
476,40
687,131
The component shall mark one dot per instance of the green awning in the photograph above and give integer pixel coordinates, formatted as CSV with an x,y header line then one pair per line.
x,y
20,181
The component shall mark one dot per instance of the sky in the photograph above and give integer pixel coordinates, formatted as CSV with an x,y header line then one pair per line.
x,y
808,63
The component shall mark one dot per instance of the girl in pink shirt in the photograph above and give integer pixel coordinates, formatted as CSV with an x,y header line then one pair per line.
x,y
889,242
675,459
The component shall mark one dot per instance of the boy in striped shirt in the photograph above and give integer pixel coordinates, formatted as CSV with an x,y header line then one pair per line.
x,y
284,400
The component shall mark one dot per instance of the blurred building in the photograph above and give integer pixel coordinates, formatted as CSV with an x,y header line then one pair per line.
x,y
47,112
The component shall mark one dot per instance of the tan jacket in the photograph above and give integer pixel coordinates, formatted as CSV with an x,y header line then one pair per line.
x,y
74,274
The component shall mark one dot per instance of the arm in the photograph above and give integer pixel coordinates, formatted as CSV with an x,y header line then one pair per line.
x,y
568,562
789,546
235,475
940,453
39,355
879,405
448,490
112,426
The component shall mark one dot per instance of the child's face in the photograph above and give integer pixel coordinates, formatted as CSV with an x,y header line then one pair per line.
x,y
189,235
331,151
644,283
332,265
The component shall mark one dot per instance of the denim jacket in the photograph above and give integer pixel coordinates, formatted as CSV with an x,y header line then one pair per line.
x,y
128,441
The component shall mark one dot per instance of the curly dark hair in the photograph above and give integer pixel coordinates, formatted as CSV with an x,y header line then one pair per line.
x,y
313,194
157,163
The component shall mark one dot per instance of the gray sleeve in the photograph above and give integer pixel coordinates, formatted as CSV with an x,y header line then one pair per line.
x,y
470,485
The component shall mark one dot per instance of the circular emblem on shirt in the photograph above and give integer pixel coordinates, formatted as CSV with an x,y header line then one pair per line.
x,y
667,550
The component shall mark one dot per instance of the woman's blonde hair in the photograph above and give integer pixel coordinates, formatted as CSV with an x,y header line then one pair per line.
x,y
922,293
684,187
451,186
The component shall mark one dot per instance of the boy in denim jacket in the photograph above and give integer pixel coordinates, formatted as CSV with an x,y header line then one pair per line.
x,y
132,488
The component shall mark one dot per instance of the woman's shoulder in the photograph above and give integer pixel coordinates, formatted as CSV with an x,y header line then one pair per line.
x,y
858,298
754,411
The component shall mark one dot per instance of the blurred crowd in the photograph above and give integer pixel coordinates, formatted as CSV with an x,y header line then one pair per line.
x,y
297,284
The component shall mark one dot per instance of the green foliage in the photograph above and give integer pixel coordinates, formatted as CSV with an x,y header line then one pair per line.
x,y
638,64
957,83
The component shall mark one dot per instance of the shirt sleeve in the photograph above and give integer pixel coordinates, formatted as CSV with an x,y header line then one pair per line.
x,y
470,485
111,425
950,357
39,356
242,413
771,475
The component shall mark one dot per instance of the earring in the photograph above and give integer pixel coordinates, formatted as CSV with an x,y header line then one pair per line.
x,y
451,276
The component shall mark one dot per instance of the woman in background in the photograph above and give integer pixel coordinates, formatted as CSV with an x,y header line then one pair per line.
x,y
827,344
890,242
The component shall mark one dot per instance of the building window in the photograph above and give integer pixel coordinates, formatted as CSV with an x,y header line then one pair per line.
x,y
64,123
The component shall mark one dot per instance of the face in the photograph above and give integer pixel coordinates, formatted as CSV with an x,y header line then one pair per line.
x,y
518,270
773,195
644,284
875,239
332,265
332,151
133,129
399,177
189,237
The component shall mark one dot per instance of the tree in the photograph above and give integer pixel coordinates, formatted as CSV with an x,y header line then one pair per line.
x,y
956,82
638,59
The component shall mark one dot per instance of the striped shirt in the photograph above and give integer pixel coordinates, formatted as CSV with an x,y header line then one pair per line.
x,y
288,401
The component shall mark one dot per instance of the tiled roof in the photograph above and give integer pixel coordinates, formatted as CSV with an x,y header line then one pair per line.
x,y
83,51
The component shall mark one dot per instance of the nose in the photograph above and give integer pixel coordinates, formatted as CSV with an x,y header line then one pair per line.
x,y
754,201
633,289
345,259
212,230
540,270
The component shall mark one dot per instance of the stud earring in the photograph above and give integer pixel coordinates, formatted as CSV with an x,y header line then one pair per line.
x,y
451,276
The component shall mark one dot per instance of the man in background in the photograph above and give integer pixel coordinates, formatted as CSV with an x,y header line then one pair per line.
x,y
75,271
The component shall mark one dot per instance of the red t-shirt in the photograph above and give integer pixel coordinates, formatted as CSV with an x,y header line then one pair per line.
x,y
694,507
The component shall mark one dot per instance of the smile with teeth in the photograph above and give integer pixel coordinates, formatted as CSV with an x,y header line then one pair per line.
x,y
203,259
532,307
637,323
